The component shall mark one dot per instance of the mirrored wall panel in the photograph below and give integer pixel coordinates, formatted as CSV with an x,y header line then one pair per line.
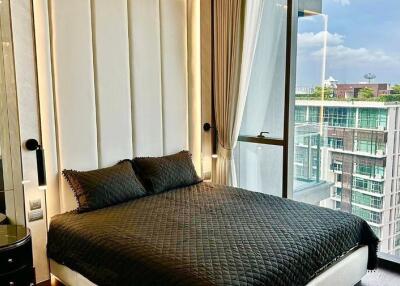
x,y
11,190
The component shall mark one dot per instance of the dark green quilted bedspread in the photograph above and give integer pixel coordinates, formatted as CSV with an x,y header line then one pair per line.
x,y
206,235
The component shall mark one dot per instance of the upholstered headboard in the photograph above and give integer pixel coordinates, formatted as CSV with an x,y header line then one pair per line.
x,y
113,81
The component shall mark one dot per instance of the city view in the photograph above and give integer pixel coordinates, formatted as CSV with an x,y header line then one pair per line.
x,y
347,116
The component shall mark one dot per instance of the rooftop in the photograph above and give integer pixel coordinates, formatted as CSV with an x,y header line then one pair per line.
x,y
342,102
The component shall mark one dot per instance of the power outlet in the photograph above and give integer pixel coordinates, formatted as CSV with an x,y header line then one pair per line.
x,y
35,215
35,204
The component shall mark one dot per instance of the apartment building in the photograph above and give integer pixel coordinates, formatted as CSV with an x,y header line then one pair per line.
x,y
356,149
346,90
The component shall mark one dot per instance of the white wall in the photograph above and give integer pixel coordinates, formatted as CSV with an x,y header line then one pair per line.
x,y
114,82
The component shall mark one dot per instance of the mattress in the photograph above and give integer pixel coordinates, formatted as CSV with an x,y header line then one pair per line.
x,y
206,234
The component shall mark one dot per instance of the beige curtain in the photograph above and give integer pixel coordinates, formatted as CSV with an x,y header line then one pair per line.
x,y
237,23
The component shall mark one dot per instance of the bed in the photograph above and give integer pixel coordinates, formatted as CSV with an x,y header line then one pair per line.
x,y
209,234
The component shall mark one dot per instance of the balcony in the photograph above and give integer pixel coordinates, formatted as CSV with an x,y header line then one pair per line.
x,y
368,208
360,199
311,192
370,215
380,154
377,178
308,185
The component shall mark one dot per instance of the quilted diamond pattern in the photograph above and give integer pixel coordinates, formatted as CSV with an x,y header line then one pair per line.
x,y
206,235
160,174
104,187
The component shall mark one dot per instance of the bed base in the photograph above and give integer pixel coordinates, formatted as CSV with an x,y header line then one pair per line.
x,y
347,271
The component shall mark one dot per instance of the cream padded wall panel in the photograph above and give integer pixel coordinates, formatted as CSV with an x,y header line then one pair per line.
x,y
120,82
194,82
144,34
45,87
111,62
74,89
174,74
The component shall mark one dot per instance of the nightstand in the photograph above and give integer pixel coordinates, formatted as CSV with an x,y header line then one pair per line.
x,y
16,263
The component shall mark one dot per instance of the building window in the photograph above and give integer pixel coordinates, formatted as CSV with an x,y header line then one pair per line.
x,y
338,193
340,116
366,200
300,158
372,118
397,241
397,226
337,166
335,143
368,215
370,147
314,114
370,171
367,185
300,113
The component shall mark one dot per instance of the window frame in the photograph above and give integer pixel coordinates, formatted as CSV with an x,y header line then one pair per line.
x,y
287,142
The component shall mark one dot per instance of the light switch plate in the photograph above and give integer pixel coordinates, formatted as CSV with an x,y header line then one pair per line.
x,y
35,204
35,215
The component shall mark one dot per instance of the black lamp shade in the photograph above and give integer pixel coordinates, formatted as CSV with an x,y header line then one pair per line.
x,y
33,145
41,167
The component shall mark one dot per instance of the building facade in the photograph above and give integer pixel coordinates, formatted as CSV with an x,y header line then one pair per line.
x,y
357,150
344,90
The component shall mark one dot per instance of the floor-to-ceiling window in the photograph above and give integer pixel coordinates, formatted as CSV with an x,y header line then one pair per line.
x,y
265,104
346,116
347,99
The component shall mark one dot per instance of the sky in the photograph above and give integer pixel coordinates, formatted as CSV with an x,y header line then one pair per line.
x,y
363,37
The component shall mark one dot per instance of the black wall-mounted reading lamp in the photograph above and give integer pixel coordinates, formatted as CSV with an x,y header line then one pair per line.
x,y
207,127
33,145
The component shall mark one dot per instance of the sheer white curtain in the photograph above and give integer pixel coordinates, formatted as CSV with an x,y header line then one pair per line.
x,y
234,52
264,104
261,164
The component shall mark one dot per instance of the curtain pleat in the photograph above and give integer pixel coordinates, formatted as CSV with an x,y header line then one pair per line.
x,y
237,23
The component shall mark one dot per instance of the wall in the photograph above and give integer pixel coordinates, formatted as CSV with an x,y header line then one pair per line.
x,y
116,79
207,138
113,82
28,118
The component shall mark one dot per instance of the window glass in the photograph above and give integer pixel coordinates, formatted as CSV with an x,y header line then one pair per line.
x,y
348,93
264,110
253,161
372,118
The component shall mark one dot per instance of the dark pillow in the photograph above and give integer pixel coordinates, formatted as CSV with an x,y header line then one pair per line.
x,y
160,174
104,187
